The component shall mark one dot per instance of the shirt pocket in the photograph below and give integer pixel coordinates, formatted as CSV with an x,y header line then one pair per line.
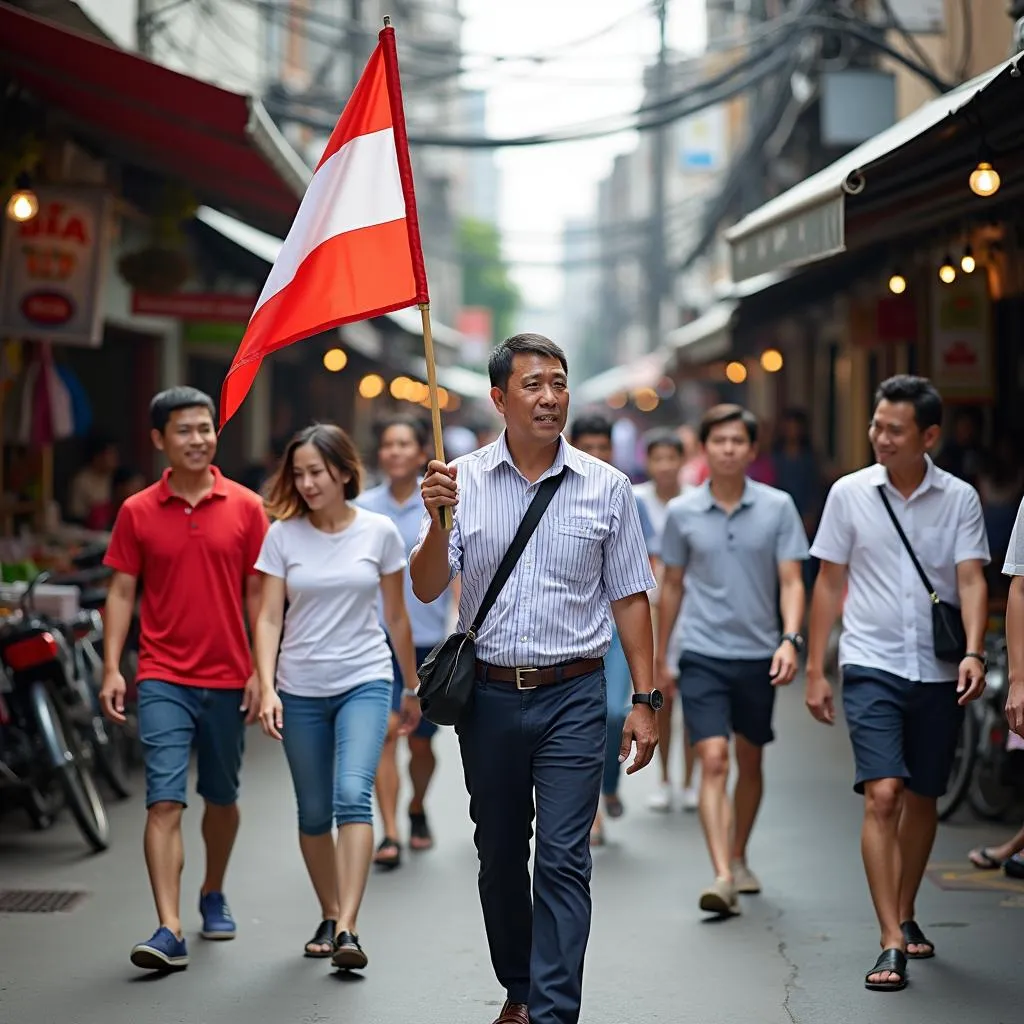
x,y
937,547
576,554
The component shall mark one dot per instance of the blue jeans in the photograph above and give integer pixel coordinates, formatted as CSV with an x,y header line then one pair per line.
x,y
345,731
172,720
620,687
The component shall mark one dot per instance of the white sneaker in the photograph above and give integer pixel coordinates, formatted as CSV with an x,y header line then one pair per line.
x,y
745,879
661,798
720,899
690,799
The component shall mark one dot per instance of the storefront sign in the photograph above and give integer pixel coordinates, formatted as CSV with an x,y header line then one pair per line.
x,y
962,339
211,307
52,268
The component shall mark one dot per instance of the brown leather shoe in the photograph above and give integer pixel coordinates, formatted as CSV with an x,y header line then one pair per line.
x,y
513,1013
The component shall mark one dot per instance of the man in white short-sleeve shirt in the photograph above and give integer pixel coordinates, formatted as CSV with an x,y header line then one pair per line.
x,y
1014,567
904,705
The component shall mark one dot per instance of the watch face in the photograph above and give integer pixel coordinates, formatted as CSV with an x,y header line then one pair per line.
x,y
657,700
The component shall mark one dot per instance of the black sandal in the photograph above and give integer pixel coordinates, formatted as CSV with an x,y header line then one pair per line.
x,y
893,961
388,846
913,936
348,954
983,860
420,836
324,937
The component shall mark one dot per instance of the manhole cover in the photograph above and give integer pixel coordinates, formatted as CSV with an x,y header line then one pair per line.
x,y
38,901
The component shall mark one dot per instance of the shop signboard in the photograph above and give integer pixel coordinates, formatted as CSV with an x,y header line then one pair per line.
x,y
196,307
52,268
961,356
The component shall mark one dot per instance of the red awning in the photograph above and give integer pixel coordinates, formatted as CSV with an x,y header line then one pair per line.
x,y
222,144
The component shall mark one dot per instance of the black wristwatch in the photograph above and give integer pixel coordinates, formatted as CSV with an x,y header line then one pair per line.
x,y
796,640
655,699
983,658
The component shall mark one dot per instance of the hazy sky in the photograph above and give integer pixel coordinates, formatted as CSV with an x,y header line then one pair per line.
x,y
542,186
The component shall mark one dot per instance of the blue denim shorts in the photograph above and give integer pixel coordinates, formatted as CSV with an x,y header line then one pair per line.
x,y
900,729
333,746
425,729
722,696
174,719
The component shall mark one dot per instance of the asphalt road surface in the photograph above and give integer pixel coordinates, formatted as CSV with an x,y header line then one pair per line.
x,y
798,953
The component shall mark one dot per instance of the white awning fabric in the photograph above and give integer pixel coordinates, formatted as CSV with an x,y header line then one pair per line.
x,y
644,372
707,337
807,222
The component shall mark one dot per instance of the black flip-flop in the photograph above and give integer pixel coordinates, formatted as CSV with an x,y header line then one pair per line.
x,y
893,961
324,937
419,829
983,860
912,935
388,845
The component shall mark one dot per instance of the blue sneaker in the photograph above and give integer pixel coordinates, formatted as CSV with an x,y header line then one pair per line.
x,y
163,952
217,920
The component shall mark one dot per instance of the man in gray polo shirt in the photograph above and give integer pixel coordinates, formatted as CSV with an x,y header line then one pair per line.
x,y
741,545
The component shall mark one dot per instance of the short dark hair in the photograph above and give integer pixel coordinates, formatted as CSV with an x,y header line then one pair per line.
x,y
728,413
339,455
663,438
414,423
592,424
920,392
499,366
97,444
173,399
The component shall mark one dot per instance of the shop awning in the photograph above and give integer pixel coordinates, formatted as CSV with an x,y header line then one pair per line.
x,y
222,144
707,337
810,221
644,372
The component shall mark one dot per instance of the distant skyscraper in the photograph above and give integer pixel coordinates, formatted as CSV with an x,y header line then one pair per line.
x,y
478,194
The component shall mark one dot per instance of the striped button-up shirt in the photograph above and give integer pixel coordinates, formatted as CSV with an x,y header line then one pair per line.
x,y
587,551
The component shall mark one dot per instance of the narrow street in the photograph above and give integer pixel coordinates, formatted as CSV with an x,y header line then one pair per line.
x,y
797,954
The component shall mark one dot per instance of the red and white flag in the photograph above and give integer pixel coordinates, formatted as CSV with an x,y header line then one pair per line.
x,y
353,251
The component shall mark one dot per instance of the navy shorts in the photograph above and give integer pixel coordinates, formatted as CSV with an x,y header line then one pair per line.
x,y
722,696
425,729
174,719
900,729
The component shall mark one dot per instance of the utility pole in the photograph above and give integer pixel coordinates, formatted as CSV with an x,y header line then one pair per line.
x,y
144,12
656,260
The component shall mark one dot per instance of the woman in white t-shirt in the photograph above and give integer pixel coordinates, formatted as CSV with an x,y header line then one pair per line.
x,y
333,674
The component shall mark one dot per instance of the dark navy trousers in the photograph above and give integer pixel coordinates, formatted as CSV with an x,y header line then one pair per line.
x,y
525,754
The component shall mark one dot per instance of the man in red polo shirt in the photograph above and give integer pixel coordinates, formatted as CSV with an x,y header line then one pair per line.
x,y
192,540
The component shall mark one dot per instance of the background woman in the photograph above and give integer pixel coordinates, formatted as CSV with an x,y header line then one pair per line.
x,y
401,456
334,674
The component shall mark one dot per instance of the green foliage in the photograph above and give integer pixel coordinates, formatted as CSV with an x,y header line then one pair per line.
x,y
485,276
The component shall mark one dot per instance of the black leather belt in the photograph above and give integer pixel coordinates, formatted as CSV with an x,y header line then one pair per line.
x,y
531,678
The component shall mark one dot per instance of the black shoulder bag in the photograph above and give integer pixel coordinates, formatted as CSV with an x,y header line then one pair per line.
x,y
448,674
948,636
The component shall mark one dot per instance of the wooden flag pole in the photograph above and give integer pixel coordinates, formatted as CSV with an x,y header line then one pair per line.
x,y
435,403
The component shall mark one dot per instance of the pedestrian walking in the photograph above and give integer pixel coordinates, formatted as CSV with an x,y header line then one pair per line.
x,y
1013,566
401,458
328,693
738,547
533,736
593,434
906,541
190,540
664,465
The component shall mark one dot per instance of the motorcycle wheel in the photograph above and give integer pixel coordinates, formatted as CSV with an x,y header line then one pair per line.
x,y
67,759
991,798
964,762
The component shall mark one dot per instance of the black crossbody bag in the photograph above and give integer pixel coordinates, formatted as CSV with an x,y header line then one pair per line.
x,y
448,674
949,638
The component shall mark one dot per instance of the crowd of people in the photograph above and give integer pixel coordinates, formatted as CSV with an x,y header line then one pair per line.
x,y
690,586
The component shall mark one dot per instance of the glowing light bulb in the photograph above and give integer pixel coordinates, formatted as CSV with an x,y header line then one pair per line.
x,y
771,360
897,284
371,385
968,263
947,272
23,205
985,180
735,372
335,360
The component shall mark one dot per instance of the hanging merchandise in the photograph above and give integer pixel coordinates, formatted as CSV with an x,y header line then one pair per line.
x,y
40,409
81,407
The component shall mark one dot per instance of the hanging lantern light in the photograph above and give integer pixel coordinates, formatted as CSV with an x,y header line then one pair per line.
x,y
947,272
24,203
985,180
897,283
968,263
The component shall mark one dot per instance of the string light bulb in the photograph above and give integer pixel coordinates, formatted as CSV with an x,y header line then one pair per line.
x,y
947,272
335,360
24,203
897,283
985,180
771,360
735,372
968,264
